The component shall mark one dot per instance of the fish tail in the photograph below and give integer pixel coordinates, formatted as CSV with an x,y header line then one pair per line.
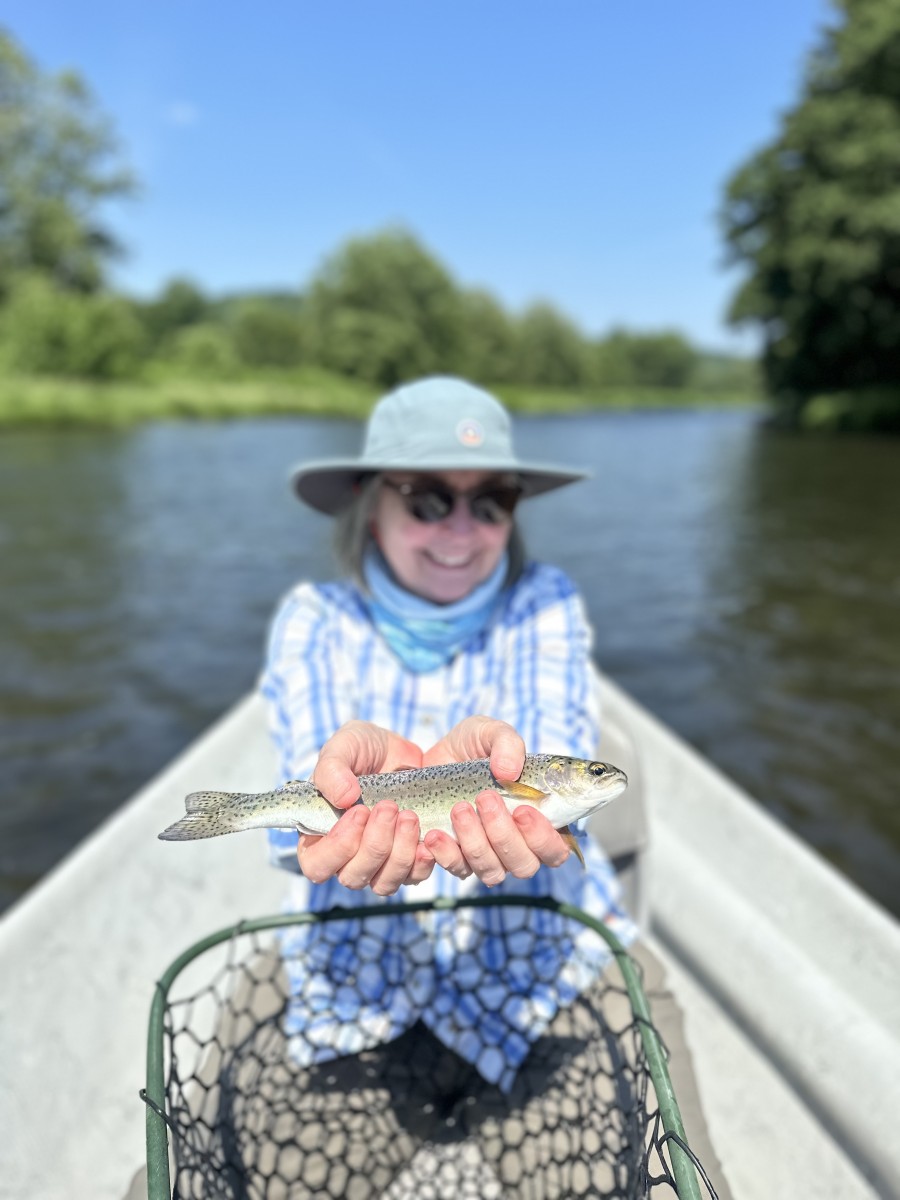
x,y
212,813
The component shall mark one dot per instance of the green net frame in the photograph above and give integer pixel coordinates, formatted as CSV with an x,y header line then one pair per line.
x,y
222,1127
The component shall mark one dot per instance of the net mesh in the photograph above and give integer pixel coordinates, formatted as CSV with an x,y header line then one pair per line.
x,y
252,1114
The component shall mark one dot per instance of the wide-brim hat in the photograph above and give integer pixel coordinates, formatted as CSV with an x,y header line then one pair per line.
x,y
435,424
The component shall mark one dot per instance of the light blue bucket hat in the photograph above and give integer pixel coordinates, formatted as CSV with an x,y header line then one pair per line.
x,y
435,424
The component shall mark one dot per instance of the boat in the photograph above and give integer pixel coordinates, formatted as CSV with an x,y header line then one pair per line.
x,y
788,977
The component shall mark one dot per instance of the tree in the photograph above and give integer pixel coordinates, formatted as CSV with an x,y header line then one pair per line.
x,y
552,350
815,216
612,364
58,164
489,339
47,330
267,336
384,310
203,349
181,303
624,359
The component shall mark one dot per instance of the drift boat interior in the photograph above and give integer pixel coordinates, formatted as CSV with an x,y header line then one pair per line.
x,y
787,977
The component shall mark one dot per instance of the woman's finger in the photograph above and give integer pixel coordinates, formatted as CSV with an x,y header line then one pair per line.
x,y
335,780
542,839
321,858
447,853
506,751
357,748
475,844
374,847
505,837
482,737
393,872
423,865
360,748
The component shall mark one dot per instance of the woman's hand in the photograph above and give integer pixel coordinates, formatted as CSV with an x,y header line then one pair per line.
x,y
492,842
377,848
481,737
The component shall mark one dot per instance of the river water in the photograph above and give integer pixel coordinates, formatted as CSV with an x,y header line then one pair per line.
x,y
744,585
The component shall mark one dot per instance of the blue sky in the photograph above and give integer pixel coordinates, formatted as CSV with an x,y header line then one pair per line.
x,y
573,151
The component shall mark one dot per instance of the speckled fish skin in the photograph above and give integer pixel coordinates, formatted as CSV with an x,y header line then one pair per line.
x,y
563,789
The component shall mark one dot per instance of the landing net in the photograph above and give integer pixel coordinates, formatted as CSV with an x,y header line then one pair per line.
x,y
237,1107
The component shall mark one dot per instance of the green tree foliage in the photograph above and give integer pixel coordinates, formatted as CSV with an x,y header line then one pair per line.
x,y
611,360
266,335
815,216
58,164
203,349
49,330
489,339
663,359
382,309
180,304
725,373
552,351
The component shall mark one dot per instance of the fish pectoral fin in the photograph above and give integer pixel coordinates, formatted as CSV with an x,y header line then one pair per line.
x,y
319,824
522,791
572,842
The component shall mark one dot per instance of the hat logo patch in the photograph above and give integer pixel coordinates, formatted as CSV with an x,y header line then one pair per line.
x,y
469,432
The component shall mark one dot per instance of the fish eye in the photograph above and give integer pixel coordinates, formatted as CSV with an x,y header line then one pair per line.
x,y
598,768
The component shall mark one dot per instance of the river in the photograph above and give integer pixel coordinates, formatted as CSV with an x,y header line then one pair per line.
x,y
744,585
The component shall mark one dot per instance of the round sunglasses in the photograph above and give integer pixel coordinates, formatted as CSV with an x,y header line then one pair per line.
x,y
430,501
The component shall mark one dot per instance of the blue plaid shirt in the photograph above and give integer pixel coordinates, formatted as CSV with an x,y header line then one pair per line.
x,y
357,988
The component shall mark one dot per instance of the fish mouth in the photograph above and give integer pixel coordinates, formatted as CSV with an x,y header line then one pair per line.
x,y
614,785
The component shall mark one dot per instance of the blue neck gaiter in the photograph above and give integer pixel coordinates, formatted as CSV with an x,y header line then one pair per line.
x,y
422,634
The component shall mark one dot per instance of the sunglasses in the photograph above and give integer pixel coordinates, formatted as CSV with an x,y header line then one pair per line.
x,y
430,501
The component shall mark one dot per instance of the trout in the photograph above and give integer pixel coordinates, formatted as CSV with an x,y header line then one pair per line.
x,y
563,789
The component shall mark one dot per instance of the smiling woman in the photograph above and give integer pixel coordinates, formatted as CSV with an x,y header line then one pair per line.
x,y
441,622
438,567
444,534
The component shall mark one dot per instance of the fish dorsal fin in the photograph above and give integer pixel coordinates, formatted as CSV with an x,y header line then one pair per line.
x,y
522,791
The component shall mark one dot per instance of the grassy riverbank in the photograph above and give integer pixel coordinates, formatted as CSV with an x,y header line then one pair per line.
x,y
307,391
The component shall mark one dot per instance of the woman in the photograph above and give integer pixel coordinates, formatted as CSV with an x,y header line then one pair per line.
x,y
441,620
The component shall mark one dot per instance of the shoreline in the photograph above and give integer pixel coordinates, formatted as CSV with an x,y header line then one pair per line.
x,y
58,402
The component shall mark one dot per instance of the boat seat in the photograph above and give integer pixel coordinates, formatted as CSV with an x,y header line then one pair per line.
x,y
621,828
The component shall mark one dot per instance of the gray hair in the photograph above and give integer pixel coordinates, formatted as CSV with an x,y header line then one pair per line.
x,y
353,533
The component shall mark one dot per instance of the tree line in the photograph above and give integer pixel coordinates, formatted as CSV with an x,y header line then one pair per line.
x,y
382,309
813,218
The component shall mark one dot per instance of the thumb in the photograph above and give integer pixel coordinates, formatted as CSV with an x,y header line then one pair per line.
x,y
504,746
336,781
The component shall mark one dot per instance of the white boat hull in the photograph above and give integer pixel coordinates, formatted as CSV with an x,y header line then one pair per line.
x,y
789,978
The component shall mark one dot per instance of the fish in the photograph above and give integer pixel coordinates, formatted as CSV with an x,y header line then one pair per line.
x,y
563,789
